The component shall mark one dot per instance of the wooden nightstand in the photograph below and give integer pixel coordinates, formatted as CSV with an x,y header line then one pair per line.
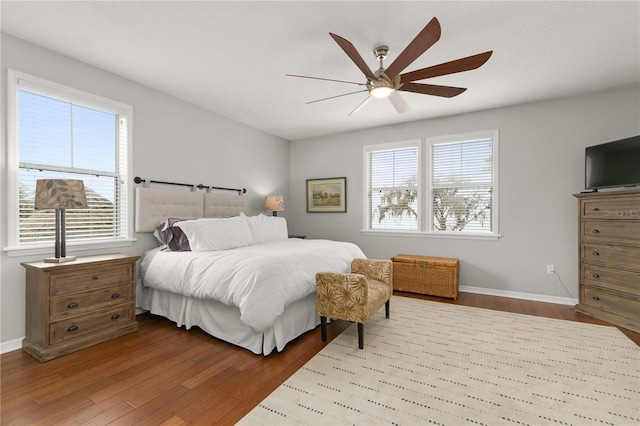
x,y
71,306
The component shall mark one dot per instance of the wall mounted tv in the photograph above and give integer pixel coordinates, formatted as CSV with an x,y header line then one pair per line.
x,y
613,164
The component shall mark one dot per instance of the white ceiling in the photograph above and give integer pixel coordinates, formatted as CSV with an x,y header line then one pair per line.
x,y
231,57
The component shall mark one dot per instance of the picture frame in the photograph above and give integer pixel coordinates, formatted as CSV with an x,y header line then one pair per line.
x,y
327,195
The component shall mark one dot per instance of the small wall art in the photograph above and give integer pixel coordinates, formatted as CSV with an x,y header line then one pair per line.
x,y
327,195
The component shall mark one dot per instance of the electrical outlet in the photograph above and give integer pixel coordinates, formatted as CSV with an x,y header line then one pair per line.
x,y
551,269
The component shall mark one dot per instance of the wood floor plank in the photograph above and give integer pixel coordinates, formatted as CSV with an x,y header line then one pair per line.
x,y
167,375
102,413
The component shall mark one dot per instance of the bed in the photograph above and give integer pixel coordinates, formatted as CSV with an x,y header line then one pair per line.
x,y
237,277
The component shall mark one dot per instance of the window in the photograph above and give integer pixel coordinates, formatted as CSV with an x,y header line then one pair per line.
x,y
461,183
59,132
392,187
459,196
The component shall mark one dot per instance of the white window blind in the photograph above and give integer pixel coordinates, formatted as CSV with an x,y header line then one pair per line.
x,y
63,135
392,180
462,185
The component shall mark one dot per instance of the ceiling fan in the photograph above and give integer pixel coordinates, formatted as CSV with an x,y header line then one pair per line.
x,y
388,82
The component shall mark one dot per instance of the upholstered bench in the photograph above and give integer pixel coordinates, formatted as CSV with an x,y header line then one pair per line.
x,y
354,296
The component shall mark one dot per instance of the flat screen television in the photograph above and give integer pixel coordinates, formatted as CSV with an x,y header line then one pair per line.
x,y
613,164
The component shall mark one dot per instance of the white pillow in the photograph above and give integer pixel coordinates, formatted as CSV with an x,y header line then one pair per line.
x,y
216,234
267,228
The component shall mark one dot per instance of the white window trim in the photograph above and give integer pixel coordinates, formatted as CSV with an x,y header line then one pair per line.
x,y
489,134
13,248
424,190
381,147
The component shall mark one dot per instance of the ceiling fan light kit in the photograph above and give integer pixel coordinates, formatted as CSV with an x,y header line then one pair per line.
x,y
380,91
388,82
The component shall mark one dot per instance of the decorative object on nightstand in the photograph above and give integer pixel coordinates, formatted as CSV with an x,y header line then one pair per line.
x,y
609,253
71,306
60,194
275,203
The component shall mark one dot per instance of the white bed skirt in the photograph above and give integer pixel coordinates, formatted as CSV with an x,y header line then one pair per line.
x,y
223,321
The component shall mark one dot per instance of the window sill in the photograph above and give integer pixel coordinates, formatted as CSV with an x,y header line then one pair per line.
x,y
73,248
449,235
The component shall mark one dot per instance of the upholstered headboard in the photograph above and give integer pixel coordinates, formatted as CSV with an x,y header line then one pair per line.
x,y
155,205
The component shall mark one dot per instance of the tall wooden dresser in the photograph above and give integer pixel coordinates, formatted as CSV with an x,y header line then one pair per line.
x,y
609,247
73,305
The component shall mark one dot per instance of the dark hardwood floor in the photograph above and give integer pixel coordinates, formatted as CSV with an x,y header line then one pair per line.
x,y
164,375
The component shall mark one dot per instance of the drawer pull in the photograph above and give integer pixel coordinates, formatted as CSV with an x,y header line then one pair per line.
x,y
595,209
596,298
595,253
115,316
72,305
115,295
595,231
72,328
95,277
595,276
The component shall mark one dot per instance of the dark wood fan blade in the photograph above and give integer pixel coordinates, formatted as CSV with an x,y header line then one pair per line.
x,y
337,96
459,65
325,79
423,41
431,89
352,53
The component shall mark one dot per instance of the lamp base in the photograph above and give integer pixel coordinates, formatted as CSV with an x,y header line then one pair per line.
x,y
60,259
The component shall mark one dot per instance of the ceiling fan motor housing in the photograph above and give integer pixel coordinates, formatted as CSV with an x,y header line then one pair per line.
x,y
381,52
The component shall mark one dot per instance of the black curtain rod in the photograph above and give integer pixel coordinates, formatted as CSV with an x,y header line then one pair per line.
x,y
138,179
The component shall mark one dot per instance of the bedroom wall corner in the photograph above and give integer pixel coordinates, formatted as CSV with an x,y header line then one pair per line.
x,y
172,141
541,166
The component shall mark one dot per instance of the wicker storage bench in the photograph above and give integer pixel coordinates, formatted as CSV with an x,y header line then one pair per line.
x,y
435,276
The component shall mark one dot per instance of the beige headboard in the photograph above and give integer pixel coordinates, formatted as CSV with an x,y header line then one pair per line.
x,y
155,205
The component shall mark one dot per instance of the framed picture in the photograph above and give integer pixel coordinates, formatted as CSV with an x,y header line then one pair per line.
x,y
327,195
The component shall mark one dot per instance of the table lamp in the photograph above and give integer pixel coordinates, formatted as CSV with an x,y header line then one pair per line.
x,y
275,203
60,194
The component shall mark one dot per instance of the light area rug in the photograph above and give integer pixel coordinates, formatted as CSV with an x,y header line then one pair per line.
x,y
442,364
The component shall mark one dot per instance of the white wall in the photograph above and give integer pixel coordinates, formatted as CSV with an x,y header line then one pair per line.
x,y
172,141
541,166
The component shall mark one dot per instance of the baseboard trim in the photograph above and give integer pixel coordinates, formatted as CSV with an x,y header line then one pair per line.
x,y
518,295
11,345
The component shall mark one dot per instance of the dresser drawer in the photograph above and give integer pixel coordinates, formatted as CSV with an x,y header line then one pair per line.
x,y
60,307
612,209
617,279
625,257
603,300
619,232
64,283
75,327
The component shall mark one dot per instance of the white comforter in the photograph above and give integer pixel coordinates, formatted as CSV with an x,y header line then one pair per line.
x,y
260,279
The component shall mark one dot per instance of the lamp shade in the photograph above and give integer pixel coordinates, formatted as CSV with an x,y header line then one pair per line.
x,y
60,194
275,203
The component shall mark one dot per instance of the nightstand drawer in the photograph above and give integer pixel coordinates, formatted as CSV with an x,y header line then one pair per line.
x,y
73,328
77,304
64,283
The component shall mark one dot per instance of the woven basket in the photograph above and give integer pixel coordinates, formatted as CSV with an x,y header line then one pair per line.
x,y
435,276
